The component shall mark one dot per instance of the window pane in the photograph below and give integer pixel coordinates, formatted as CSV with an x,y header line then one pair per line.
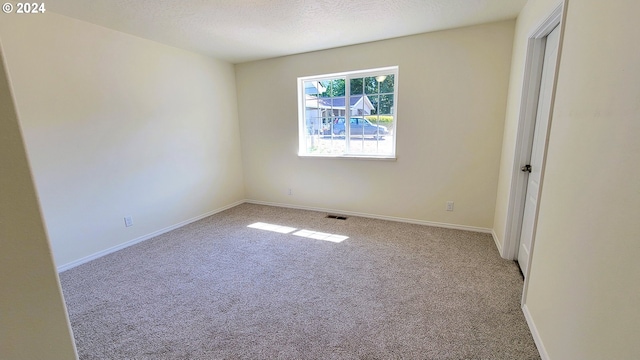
x,y
388,85
338,102
386,104
325,145
326,141
360,105
324,88
336,106
313,118
335,87
356,86
311,87
370,85
375,102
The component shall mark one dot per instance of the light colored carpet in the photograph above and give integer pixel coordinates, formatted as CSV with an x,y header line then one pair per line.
x,y
217,289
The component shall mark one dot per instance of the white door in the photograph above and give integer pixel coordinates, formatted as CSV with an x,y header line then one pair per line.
x,y
537,150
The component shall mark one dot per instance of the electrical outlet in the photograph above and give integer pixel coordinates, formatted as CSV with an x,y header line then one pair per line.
x,y
128,221
449,205
289,192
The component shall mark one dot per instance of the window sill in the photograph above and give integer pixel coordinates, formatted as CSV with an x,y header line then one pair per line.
x,y
350,156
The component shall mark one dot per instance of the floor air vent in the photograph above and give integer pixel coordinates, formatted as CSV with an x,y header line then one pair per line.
x,y
338,217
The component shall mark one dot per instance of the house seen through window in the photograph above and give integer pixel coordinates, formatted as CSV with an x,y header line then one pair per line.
x,y
348,114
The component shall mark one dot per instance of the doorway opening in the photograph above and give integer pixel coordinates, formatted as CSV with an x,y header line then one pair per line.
x,y
535,117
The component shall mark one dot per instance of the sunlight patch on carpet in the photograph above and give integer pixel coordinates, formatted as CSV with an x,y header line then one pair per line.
x,y
271,227
317,235
321,236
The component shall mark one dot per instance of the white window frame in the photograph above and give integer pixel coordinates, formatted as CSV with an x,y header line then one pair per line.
x,y
348,75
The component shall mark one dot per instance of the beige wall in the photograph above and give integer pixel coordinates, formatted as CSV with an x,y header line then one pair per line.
x,y
33,319
120,126
452,96
583,292
116,125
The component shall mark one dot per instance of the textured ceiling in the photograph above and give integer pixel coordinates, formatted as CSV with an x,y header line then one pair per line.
x,y
245,30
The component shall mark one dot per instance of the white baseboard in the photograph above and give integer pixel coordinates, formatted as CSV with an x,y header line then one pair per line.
x,y
374,216
110,250
534,333
497,241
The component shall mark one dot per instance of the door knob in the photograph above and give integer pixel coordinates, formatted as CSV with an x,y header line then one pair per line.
x,y
526,168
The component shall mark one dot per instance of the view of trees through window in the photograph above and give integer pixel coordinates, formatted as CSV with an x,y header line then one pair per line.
x,y
366,98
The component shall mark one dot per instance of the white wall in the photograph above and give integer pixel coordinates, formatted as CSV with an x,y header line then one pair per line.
x,y
451,103
120,126
583,291
33,319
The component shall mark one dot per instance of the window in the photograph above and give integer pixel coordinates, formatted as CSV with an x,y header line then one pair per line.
x,y
367,98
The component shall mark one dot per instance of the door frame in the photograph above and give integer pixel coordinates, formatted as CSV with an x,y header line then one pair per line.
x,y
526,126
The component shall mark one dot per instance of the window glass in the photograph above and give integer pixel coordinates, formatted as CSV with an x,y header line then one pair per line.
x,y
366,97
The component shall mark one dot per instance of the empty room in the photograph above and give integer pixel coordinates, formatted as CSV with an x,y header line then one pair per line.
x,y
411,179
